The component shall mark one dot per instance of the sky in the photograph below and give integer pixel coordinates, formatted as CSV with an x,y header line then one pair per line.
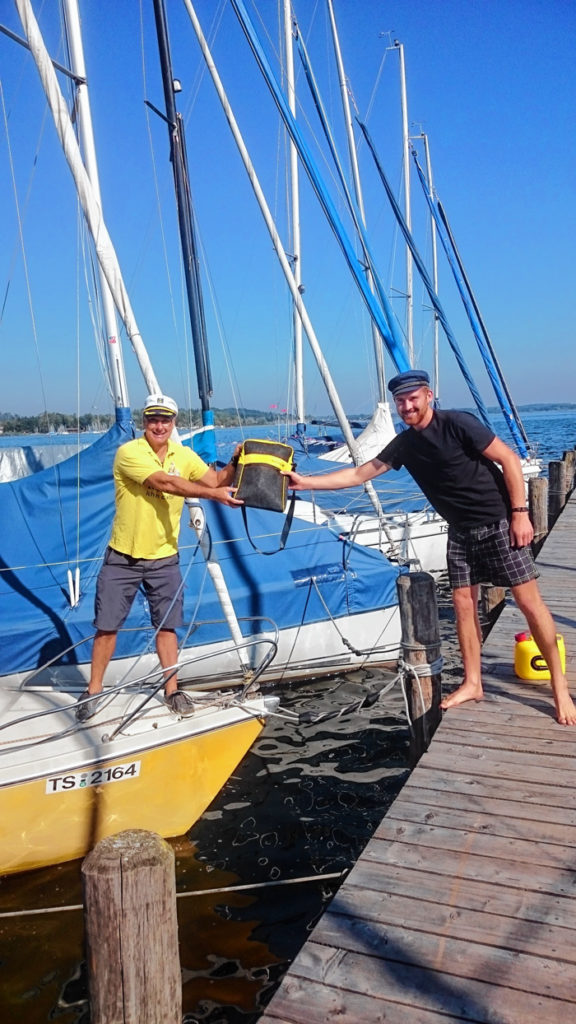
x,y
490,82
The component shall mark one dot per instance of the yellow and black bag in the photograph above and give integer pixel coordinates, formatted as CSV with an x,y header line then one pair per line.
x,y
258,476
260,483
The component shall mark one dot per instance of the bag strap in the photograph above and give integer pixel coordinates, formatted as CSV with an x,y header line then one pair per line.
x,y
285,528
283,465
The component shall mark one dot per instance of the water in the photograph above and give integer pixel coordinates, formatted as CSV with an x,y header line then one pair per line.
x,y
303,803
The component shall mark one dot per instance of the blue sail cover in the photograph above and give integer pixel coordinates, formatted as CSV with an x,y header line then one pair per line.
x,y
61,517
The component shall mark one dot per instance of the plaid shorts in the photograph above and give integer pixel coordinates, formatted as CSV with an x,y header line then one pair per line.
x,y
482,554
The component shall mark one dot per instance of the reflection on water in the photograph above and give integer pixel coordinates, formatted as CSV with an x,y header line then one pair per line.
x,y
303,803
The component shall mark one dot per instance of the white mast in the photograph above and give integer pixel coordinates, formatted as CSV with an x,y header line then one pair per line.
x,y
109,263
113,348
90,205
276,241
378,353
407,204
435,381
295,220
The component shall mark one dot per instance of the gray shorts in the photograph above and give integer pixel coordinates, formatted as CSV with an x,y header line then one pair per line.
x,y
483,554
119,580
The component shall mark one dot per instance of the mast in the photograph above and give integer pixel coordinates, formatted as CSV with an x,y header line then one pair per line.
x,y
407,205
92,209
82,102
479,331
378,354
324,371
185,219
295,222
436,376
110,266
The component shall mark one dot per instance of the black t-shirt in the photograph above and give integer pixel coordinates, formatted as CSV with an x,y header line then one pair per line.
x,y
446,461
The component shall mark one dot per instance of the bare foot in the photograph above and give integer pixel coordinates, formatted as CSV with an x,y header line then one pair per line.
x,y
468,691
565,709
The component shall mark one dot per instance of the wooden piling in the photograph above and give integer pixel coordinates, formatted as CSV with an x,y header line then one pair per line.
x,y
491,604
420,646
569,459
132,931
556,490
538,505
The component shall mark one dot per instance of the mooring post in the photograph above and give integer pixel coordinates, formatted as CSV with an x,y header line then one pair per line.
x,y
556,490
491,603
538,505
132,931
421,646
569,458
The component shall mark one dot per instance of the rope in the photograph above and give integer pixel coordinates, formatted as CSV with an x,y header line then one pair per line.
x,y
344,640
334,876
416,671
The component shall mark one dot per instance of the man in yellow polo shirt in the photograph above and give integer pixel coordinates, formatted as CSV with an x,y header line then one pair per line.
x,y
152,476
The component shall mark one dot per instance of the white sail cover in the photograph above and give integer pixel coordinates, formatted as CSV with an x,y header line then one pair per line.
x,y
375,436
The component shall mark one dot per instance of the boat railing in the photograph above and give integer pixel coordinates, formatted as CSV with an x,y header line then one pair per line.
x,y
232,696
227,699
251,643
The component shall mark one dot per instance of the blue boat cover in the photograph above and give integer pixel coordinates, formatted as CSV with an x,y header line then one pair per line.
x,y
60,518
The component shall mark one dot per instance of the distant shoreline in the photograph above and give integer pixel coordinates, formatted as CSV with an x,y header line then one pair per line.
x,y
60,424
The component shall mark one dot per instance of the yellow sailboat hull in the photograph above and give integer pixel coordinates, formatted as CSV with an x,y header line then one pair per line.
x,y
164,789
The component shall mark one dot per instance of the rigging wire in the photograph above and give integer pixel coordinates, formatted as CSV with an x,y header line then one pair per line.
x,y
20,227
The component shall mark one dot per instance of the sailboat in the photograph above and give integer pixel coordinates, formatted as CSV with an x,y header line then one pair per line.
x,y
417,538
320,605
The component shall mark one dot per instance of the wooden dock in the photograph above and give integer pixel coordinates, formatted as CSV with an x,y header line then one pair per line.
x,y
462,907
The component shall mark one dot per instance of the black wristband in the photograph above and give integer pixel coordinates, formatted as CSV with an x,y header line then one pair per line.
x,y
520,508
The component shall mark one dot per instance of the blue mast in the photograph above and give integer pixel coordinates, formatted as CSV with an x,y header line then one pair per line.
x,y
479,330
427,282
388,329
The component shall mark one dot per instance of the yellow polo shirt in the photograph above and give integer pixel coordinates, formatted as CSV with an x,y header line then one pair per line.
x,y
147,522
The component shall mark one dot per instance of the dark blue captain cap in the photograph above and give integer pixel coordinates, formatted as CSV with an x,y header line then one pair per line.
x,y
408,381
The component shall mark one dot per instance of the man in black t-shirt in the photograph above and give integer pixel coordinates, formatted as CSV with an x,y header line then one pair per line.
x,y
454,459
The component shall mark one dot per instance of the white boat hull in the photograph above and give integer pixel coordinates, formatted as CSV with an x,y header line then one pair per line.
x,y
417,539
311,650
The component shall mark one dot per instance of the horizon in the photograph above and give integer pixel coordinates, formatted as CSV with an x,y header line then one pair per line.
x,y
274,417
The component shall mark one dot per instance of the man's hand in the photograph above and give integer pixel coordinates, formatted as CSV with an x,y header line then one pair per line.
x,y
521,530
225,495
296,481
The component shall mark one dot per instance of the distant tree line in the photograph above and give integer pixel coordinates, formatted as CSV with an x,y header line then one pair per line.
x,y
51,422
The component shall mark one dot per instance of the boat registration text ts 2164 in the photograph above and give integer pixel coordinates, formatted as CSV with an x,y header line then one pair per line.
x,y
94,777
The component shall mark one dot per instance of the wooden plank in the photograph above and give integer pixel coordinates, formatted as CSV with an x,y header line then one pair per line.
x,y
469,893
488,811
461,863
417,989
553,771
301,999
473,721
489,820
505,932
443,954
534,742
502,847
529,793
